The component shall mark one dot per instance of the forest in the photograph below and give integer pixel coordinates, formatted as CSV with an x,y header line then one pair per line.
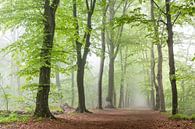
x,y
97,64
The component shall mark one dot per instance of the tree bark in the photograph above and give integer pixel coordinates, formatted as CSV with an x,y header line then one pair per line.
x,y
159,79
101,71
42,107
113,51
157,106
81,58
152,80
110,96
160,61
172,75
123,75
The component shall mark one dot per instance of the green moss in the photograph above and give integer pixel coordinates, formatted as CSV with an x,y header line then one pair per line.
x,y
193,117
13,117
179,117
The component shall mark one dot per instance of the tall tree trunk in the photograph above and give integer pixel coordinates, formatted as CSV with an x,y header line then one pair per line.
x,y
80,85
113,50
159,79
160,61
42,107
73,96
157,106
101,71
123,75
152,78
110,96
82,58
126,97
172,75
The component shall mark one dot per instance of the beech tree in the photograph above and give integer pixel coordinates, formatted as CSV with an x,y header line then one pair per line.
x,y
103,49
82,57
42,107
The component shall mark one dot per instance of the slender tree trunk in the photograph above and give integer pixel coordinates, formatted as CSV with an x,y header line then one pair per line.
x,y
160,61
123,74
73,96
42,107
156,37
126,97
113,51
152,76
101,71
172,75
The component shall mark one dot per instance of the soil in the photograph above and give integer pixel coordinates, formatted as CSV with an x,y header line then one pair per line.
x,y
106,119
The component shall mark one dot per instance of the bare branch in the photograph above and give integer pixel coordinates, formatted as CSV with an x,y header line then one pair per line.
x,y
162,22
159,7
176,18
87,4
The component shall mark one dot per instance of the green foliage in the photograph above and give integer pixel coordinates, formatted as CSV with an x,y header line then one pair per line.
x,y
180,117
135,18
193,117
13,117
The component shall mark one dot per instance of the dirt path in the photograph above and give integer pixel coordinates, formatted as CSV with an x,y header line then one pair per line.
x,y
108,119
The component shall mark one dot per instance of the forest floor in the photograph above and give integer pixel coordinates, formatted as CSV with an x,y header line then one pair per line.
x,y
106,119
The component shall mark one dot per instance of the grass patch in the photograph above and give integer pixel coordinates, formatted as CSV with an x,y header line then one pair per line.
x,y
180,117
193,117
13,117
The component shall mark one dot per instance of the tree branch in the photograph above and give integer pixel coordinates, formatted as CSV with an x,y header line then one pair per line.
x,y
162,22
87,4
159,7
176,18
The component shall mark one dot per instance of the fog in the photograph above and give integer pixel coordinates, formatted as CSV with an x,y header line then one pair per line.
x,y
9,70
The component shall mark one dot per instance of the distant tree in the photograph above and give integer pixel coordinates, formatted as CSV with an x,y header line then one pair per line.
x,y
113,41
153,75
103,49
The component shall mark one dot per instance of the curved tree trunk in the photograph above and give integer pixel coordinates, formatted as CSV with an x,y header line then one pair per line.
x,y
42,107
